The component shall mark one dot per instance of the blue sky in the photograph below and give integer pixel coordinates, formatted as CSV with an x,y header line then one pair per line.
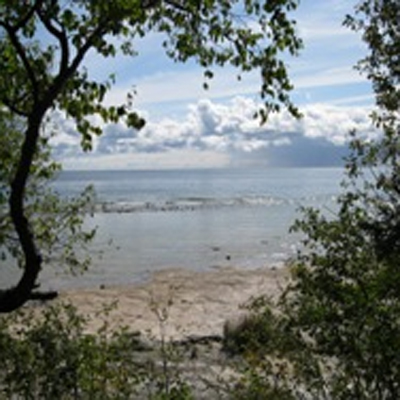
x,y
190,127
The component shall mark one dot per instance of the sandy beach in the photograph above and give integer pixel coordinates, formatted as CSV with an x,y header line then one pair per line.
x,y
178,302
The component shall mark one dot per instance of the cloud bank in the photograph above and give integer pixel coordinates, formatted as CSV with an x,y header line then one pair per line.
x,y
229,132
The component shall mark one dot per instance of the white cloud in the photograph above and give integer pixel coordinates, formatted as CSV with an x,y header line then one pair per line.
x,y
225,129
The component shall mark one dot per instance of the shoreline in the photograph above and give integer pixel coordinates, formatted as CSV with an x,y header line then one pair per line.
x,y
177,303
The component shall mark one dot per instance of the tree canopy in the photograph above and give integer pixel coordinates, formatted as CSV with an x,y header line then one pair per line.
x,y
43,45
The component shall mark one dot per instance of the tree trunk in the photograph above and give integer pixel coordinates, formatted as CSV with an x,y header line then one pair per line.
x,y
16,296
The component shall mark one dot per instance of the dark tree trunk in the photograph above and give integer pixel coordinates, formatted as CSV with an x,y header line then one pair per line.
x,y
16,296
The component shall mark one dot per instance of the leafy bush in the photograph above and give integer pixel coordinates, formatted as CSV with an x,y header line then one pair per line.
x,y
253,332
340,314
49,355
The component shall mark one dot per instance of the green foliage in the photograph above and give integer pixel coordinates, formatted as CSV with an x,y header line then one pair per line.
x,y
48,354
378,21
341,310
250,334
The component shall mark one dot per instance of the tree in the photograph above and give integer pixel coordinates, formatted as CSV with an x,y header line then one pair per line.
x,y
338,328
43,45
57,222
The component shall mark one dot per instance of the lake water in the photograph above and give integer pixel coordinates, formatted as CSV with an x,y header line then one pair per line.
x,y
194,219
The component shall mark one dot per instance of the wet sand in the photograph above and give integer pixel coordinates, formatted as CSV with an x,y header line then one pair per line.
x,y
177,302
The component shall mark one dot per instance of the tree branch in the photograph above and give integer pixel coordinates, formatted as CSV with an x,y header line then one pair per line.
x,y
44,296
24,58
177,5
28,15
68,71
13,108
61,36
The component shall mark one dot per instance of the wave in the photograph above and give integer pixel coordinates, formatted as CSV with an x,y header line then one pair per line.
x,y
186,204
199,203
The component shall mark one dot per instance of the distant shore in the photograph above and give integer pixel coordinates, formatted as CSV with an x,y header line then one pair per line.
x,y
184,302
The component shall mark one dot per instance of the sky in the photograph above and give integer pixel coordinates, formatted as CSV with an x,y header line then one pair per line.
x,y
188,127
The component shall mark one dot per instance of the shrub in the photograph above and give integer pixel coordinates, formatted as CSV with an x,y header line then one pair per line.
x,y
49,356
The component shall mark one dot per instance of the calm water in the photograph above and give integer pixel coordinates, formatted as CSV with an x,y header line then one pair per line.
x,y
194,219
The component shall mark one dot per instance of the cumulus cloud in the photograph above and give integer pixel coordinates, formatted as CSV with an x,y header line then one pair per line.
x,y
231,129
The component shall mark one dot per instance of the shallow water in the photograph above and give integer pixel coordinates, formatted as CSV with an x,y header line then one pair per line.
x,y
193,219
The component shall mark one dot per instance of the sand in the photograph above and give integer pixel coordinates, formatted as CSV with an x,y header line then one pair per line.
x,y
177,302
